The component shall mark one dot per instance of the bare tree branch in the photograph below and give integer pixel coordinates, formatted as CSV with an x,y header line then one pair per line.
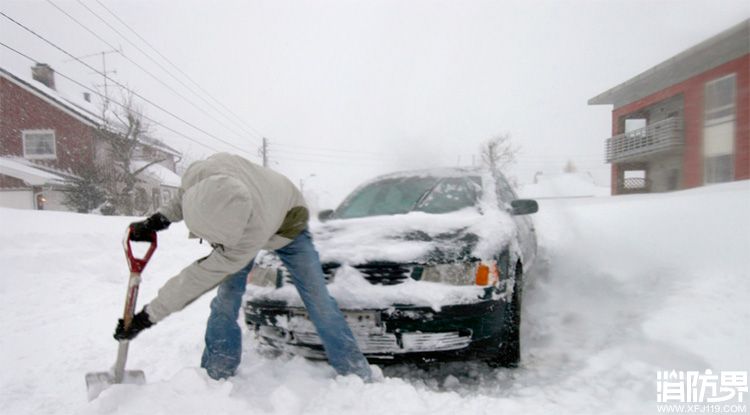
x,y
498,153
126,137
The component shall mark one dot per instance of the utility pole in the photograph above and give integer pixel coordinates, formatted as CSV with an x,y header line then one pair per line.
x,y
264,152
105,105
104,72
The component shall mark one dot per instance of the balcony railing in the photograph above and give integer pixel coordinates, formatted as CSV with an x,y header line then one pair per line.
x,y
653,138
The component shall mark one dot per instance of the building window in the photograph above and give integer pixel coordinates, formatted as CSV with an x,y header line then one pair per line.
x,y
635,124
155,198
718,169
719,130
141,201
634,180
166,196
720,97
39,144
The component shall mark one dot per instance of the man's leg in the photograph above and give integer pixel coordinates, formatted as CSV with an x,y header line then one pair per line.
x,y
223,351
302,261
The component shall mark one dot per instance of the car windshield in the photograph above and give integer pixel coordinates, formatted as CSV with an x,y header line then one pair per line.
x,y
406,194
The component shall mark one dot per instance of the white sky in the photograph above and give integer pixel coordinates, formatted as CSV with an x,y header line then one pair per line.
x,y
393,85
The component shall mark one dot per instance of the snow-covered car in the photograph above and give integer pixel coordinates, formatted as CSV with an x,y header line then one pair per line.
x,y
426,265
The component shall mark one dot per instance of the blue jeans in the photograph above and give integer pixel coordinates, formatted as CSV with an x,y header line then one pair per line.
x,y
223,351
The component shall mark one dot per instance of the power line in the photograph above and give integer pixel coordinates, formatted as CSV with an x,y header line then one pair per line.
x,y
329,161
146,71
334,150
121,85
327,153
118,103
337,156
165,70
178,68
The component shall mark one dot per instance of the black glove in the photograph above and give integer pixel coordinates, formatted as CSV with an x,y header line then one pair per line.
x,y
143,231
139,323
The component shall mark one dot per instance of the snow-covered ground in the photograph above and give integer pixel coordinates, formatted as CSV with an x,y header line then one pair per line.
x,y
623,287
564,185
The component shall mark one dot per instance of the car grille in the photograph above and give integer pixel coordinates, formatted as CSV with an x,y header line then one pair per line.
x,y
369,331
377,273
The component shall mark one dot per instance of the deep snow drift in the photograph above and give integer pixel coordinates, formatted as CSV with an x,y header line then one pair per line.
x,y
623,287
564,185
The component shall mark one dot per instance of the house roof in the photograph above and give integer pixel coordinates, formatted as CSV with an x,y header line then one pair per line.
x,y
84,111
727,46
32,175
54,98
159,173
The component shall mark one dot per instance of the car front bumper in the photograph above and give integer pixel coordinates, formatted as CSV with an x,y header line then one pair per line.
x,y
398,333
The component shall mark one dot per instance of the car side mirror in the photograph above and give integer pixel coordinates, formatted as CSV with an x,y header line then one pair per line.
x,y
325,215
524,206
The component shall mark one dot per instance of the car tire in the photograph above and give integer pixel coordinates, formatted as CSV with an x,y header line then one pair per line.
x,y
509,354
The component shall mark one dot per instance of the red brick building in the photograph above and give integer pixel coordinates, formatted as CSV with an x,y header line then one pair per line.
x,y
685,122
46,137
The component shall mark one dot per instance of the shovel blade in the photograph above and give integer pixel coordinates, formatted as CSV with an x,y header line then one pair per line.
x,y
96,382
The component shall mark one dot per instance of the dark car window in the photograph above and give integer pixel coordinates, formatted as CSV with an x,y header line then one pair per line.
x,y
451,194
386,197
402,195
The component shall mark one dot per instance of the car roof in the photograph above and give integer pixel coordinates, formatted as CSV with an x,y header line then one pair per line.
x,y
441,172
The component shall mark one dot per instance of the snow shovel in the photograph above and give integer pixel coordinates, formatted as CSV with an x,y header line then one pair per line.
x,y
96,382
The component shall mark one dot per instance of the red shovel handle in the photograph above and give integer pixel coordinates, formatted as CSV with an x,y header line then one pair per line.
x,y
138,264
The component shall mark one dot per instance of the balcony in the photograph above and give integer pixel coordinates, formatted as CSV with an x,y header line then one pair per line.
x,y
654,138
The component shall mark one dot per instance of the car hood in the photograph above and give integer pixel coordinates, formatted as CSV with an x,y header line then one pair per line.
x,y
415,237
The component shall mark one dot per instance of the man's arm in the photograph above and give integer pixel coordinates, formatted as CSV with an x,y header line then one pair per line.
x,y
198,278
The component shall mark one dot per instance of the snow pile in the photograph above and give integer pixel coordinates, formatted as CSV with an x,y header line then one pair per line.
x,y
352,291
412,236
19,168
624,286
497,229
563,186
382,238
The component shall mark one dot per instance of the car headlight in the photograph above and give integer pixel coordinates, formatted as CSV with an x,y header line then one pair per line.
x,y
482,273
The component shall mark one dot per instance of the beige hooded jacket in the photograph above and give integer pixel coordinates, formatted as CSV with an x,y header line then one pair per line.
x,y
240,208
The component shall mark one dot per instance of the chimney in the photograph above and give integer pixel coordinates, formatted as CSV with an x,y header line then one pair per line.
x,y
44,73
87,96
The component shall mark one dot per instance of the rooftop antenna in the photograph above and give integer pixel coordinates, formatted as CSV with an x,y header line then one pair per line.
x,y
105,73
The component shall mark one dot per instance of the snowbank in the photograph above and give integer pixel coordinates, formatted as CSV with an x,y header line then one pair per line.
x,y
624,286
566,185
352,291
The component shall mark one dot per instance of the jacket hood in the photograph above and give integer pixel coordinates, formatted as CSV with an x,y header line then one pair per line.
x,y
217,209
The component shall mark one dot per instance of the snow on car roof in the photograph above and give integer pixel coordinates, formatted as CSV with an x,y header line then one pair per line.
x,y
440,172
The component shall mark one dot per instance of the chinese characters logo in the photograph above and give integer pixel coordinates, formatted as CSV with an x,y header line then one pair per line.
x,y
696,387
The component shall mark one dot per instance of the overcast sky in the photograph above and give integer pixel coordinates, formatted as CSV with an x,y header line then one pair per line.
x,y
346,90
